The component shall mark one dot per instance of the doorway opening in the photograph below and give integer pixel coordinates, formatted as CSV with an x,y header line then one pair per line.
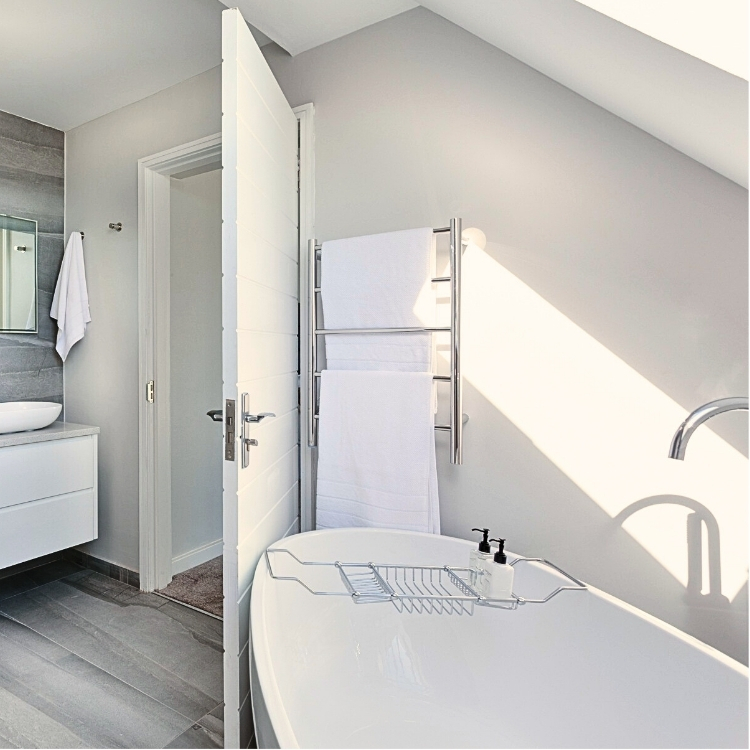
x,y
195,389
181,504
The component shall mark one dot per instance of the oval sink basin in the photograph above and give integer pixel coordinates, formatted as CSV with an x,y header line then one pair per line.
x,y
18,416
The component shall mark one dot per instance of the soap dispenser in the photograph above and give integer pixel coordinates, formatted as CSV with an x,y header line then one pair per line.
x,y
477,557
498,575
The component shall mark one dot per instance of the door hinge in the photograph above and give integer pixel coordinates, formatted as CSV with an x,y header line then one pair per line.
x,y
150,391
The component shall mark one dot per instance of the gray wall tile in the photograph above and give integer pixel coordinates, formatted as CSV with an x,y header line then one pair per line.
x,y
24,357
31,158
33,385
20,129
32,196
32,186
46,326
50,248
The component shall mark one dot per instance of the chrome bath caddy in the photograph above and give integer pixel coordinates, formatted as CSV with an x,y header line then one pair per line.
x,y
430,589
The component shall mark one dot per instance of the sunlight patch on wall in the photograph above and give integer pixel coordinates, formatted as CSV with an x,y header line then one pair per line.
x,y
597,419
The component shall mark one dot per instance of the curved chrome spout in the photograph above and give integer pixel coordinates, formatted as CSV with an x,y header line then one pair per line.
x,y
698,417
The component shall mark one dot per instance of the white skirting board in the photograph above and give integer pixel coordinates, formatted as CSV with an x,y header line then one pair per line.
x,y
188,560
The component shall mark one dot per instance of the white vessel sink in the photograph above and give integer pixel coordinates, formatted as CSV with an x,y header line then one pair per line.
x,y
17,416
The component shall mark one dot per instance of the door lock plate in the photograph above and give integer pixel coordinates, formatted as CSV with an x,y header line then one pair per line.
x,y
229,429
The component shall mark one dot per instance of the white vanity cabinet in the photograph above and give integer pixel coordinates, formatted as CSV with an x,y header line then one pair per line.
x,y
48,491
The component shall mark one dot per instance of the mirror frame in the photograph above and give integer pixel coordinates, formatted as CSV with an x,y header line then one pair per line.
x,y
35,330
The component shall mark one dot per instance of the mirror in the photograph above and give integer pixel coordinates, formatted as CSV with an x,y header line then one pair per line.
x,y
17,275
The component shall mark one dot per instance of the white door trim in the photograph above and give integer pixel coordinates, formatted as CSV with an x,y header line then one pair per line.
x,y
154,466
305,115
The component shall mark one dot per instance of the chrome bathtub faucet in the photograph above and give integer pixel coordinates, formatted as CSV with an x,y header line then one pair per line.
x,y
696,418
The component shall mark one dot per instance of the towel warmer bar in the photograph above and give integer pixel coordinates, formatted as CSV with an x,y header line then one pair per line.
x,y
455,426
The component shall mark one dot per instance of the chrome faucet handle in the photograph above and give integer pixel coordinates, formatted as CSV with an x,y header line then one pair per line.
x,y
254,418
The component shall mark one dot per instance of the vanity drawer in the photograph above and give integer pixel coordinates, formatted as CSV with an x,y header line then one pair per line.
x,y
44,526
40,470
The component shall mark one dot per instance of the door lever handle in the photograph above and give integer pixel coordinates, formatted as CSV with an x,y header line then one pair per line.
x,y
216,414
255,418
246,420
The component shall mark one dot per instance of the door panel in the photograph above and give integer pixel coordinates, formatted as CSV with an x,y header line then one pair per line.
x,y
261,214
260,340
277,268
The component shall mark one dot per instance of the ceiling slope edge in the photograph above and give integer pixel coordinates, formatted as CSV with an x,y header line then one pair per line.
x,y
299,26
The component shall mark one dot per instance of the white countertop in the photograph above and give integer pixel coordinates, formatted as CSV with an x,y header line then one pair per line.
x,y
56,431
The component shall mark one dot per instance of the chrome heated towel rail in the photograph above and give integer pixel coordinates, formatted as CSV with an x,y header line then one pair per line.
x,y
455,425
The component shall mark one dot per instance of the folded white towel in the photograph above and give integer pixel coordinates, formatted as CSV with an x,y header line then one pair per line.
x,y
378,281
376,451
70,304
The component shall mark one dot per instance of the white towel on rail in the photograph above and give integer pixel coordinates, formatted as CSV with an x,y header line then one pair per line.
x,y
379,281
376,451
70,304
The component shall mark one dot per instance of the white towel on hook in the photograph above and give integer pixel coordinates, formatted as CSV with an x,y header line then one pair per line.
x,y
379,281
70,305
376,451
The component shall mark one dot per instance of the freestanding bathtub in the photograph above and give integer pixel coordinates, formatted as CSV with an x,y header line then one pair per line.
x,y
583,670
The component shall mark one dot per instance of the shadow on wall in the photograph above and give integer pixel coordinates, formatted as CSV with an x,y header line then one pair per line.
x,y
570,462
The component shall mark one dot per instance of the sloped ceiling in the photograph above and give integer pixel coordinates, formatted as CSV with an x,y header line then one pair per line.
x,y
692,105
685,102
65,62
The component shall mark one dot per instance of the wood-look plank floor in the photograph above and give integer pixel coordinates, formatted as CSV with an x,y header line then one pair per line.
x,y
86,661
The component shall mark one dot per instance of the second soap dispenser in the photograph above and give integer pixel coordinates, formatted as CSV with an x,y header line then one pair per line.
x,y
498,575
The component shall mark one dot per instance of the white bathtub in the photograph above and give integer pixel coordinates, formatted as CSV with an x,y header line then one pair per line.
x,y
584,670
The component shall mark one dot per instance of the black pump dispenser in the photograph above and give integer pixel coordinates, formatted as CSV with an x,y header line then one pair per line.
x,y
484,545
500,556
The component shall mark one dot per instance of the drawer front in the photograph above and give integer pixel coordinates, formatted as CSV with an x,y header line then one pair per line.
x,y
39,470
38,528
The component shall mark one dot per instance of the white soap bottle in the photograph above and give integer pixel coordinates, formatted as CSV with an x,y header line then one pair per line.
x,y
498,575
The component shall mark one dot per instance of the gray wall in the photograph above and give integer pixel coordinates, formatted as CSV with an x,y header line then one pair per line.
x,y
195,364
32,160
101,371
611,299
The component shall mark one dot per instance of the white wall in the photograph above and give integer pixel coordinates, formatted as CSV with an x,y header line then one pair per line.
x,y
101,373
611,300
195,368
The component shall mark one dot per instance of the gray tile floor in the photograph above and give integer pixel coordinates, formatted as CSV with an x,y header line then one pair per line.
x,y
86,661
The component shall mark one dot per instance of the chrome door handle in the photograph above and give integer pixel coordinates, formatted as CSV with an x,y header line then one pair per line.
x,y
248,419
216,414
255,418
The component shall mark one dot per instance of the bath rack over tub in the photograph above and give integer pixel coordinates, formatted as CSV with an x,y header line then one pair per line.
x,y
431,589
457,418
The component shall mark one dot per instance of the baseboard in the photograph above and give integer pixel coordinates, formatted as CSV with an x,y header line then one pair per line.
x,y
188,560
102,566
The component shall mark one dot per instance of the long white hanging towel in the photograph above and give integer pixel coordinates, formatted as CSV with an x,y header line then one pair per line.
x,y
378,281
376,451
70,305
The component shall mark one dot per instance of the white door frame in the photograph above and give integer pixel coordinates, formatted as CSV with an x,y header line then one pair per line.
x,y
154,466
154,474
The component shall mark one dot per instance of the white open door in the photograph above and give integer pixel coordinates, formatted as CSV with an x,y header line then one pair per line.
x,y
260,321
